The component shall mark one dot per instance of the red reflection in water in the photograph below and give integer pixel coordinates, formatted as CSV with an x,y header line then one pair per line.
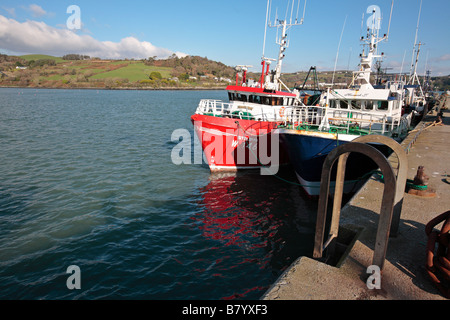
x,y
252,223
236,215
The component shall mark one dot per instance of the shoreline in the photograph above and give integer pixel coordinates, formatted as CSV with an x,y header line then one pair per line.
x,y
122,88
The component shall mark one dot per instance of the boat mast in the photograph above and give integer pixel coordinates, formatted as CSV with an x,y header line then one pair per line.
x,y
413,77
283,46
273,82
362,77
414,64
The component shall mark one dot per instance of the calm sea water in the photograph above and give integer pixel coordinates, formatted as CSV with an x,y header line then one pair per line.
x,y
86,179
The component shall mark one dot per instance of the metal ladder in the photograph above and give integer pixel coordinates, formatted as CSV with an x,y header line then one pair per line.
x,y
394,187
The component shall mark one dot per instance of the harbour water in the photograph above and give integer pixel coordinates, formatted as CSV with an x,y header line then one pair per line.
x,y
86,179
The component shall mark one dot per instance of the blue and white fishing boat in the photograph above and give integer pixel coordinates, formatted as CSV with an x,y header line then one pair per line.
x,y
342,115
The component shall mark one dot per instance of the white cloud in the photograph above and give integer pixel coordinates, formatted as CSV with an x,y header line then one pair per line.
x,y
38,37
445,57
37,11
11,11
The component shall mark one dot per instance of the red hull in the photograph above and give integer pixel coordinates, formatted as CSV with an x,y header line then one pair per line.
x,y
233,144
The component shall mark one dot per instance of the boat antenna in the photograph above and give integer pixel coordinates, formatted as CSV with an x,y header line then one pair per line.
x,y
390,17
426,66
287,10
292,11
349,56
337,53
265,29
304,10
415,40
362,26
403,61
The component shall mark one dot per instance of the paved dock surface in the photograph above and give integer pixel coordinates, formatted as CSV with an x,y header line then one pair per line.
x,y
404,276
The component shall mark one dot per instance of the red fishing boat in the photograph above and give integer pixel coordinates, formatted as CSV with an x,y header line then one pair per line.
x,y
239,134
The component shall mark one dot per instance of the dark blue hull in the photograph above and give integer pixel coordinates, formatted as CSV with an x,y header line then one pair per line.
x,y
307,154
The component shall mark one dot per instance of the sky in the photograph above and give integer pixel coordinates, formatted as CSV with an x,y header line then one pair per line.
x,y
230,31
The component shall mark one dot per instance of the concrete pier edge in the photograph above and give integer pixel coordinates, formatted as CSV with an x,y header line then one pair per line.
x,y
404,276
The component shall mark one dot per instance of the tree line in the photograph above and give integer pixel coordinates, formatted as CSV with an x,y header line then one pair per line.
x,y
192,66
73,56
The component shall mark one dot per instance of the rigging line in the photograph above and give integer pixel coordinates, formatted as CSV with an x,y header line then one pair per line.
x,y
287,10
362,25
304,10
292,11
337,53
415,39
390,17
403,61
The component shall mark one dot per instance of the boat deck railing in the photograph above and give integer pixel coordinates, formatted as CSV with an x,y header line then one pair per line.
x,y
214,107
243,110
314,118
317,118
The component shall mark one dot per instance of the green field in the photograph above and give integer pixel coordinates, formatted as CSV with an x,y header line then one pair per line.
x,y
36,57
135,71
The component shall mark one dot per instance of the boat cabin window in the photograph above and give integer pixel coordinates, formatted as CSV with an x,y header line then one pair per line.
x,y
277,101
255,99
356,104
367,105
237,97
240,97
333,104
267,100
343,104
382,105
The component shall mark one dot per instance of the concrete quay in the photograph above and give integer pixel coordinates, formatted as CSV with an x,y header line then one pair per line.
x,y
404,276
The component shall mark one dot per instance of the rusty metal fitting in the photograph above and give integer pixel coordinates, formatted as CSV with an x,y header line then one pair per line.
x,y
421,178
438,253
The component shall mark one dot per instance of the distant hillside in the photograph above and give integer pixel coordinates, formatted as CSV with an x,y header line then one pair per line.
x,y
443,83
190,72
35,57
46,71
